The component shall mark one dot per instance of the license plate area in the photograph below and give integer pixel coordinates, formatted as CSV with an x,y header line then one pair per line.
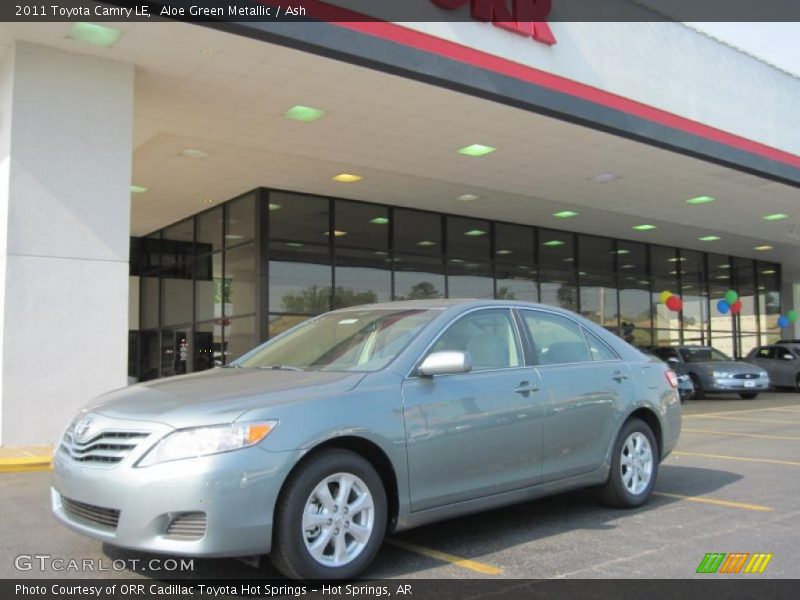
x,y
749,384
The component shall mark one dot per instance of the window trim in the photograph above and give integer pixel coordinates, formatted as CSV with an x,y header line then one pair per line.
x,y
611,351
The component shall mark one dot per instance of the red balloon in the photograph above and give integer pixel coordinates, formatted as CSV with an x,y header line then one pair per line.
x,y
674,303
736,307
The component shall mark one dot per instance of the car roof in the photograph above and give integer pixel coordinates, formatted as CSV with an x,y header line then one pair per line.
x,y
443,304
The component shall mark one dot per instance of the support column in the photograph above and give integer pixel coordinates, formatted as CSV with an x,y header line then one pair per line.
x,y
65,172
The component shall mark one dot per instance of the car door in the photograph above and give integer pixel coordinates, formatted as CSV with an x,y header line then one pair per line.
x,y
785,367
479,433
764,357
585,386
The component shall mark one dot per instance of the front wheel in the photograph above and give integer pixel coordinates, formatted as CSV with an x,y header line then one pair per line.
x,y
748,395
330,519
634,466
698,394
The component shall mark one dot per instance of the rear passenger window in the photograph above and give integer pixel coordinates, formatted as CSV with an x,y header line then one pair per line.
x,y
598,348
556,339
765,353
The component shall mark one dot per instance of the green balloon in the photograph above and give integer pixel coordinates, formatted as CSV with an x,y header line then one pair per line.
x,y
731,296
792,315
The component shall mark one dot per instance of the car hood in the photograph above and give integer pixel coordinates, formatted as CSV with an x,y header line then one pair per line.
x,y
218,396
728,367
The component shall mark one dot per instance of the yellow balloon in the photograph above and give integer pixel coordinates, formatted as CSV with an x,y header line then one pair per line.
x,y
665,296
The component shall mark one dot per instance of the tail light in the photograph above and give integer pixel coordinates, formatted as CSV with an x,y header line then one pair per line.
x,y
671,377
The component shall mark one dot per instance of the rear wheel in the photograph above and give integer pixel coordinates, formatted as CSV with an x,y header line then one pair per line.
x,y
698,394
748,395
634,466
797,383
330,519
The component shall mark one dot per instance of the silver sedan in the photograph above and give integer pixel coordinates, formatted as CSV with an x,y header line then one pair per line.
x,y
367,420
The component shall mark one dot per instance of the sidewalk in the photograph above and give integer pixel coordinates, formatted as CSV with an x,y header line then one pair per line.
x,y
22,459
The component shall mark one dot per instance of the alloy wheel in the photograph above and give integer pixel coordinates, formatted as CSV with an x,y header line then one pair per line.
x,y
636,463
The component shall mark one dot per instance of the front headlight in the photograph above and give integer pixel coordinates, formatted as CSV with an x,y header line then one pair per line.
x,y
721,374
201,441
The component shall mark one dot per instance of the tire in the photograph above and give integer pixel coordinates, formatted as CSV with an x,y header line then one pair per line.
x,y
699,394
748,395
797,383
339,553
619,490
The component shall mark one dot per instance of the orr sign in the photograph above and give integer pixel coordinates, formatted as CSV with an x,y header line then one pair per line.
x,y
524,17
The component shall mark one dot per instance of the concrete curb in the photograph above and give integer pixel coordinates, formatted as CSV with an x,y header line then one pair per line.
x,y
26,464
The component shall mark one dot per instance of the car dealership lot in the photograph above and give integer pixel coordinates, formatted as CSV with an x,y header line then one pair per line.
x,y
732,485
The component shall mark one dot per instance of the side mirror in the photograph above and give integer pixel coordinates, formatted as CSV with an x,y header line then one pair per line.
x,y
445,363
788,357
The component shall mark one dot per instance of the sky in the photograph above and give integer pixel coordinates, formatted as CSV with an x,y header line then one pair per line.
x,y
777,43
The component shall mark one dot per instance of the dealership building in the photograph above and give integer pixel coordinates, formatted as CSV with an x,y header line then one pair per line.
x,y
172,194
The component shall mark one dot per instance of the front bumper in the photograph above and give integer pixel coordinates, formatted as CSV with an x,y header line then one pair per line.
x,y
731,384
236,491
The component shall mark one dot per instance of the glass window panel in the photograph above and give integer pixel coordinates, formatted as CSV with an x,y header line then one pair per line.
x,y
664,271
240,281
598,348
240,337
363,225
747,342
280,323
240,220
719,282
599,299
667,337
596,254
487,335
744,282
418,278
149,306
634,308
207,347
516,282
176,301
556,249
417,232
150,357
299,278
694,295
769,300
631,259
150,253
209,231
468,238
362,277
208,287
180,232
468,278
724,342
556,339
558,288
174,351
298,218
514,244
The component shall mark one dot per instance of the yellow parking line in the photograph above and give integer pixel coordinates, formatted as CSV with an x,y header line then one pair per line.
x,y
727,503
770,461
465,563
731,412
762,436
785,409
749,420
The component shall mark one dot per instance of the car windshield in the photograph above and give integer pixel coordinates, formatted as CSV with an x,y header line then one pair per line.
x,y
698,355
354,340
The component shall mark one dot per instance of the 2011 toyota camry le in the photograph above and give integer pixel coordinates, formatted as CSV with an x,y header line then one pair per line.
x,y
364,421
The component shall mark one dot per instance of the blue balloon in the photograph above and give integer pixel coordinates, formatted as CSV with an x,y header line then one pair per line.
x,y
783,322
723,306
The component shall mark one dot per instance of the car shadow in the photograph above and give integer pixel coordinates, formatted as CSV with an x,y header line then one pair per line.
x,y
480,534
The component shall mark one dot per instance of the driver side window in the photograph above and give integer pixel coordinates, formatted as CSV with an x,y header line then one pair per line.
x,y
487,335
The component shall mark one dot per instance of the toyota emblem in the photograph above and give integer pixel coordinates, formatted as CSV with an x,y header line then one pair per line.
x,y
82,428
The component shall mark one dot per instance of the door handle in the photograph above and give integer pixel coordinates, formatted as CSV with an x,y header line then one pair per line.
x,y
525,388
619,376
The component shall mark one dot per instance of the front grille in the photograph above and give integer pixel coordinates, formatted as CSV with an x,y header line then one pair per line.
x,y
107,447
97,515
746,376
187,526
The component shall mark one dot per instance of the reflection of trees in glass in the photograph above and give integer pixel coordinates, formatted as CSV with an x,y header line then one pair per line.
x,y
317,299
504,293
223,290
566,297
423,290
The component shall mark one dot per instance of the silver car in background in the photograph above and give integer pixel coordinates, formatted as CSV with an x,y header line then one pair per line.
x,y
712,371
364,421
781,361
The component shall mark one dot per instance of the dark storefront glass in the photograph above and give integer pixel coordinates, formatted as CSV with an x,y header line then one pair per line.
x,y
559,288
719,282
240,219
363,225
298,218
418,278
598,294
209,231
362,277
240,281
556,249
769,300
240,337
417,232
207,347
664,274
208,287
148,302
695,297
300,278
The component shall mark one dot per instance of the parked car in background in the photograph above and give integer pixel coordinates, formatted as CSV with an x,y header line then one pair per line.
x,y
782,362
713,371
685,385
367,420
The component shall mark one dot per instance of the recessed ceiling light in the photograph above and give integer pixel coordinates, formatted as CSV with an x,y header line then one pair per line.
x,y
569,259
94,34
768,272
676,259
273,206
234,236
604,177
700,200
723,277
426,243
336,233
709,238
207,51
673,272
763,248
627,266
379,221
725,266
565,214
305,114
582,273
381,252
775,217
347,178
553,243
456,260
505,252
475,232
138,189
623,251
194,153
644,227
294,244
208,201
467,197
476,150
